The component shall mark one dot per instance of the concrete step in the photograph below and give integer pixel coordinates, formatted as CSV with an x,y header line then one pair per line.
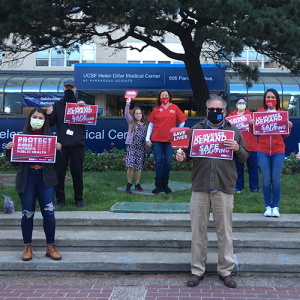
x,y
247,263
77,240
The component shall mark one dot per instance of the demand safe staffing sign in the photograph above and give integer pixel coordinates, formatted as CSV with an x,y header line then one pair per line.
x,y
210,143
34,148
85,114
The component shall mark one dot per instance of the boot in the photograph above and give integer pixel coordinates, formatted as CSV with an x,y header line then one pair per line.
x,y
159,185
52,252
165,185
27,254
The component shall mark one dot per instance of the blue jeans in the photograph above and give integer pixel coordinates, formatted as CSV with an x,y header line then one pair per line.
x,y
35,188
252,170
163,153
271,166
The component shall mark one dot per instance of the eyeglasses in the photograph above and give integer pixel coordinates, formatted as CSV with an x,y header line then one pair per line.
x,y
218,110
241,102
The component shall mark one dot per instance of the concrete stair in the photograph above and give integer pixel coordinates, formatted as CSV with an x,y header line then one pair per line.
x,y
143,242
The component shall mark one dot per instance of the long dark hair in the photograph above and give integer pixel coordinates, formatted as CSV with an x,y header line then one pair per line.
x,y
157,101
276,96
133,124
45,129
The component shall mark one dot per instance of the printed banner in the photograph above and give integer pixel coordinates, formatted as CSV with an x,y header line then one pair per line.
x,y
34,148
271,123
210,143
241,122
40,100
180,137
85,114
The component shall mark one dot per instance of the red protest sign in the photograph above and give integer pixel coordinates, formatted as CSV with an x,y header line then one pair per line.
x,y
85,114
271,123
210,143
241,122
180,137
131,94
34,148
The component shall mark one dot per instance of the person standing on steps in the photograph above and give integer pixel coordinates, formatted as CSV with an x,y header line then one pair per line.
x,y
37,181
71,136
135,145
213,185
251,142
163,117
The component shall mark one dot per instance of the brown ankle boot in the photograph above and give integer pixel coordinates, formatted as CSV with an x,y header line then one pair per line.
x,y
52,252
27,254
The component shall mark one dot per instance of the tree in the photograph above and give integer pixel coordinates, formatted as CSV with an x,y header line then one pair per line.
x,y
207,29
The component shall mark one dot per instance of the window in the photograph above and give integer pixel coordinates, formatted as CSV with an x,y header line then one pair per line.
x,y
60,57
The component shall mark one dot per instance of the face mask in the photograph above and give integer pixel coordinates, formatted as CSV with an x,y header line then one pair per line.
x,y
36,123
164,100
138,117
214,117
69,95
271,103
241,106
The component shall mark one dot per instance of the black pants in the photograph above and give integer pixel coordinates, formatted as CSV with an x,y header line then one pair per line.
x,y
76,156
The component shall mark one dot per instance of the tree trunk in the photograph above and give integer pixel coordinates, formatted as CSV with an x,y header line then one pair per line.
x,y
197,81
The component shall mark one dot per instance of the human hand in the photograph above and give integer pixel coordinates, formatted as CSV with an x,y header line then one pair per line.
x,y
231,145
149,144
290,124
251,121
180,155
80,103
10,145
298,156
128,100
58,146
50,109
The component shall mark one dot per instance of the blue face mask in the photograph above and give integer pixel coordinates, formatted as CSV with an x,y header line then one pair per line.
x,y
215,117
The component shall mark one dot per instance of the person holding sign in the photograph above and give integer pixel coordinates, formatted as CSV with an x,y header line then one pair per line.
x,y
271,156
251,142
71,136
36,181
213,185
161,120
135,145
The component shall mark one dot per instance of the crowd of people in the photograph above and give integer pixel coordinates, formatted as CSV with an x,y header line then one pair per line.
x,y
214,180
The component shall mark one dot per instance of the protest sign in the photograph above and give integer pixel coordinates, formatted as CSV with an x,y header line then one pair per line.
x,y
180,137
34,148
85,114
241,122
131,94
209,143
270,123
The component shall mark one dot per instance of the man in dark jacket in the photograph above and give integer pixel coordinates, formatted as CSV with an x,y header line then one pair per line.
x,y
71,137
213,185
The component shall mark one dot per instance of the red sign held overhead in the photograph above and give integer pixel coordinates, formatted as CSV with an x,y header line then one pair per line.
x,y
131,94
180,137
77,114
209,143
34,148
241,122
271,123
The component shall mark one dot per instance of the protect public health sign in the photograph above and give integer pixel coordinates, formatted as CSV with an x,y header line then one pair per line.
x,y
241,122
209,143
271,123
85,114
34,148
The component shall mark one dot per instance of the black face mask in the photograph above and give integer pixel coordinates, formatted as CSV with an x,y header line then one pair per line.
x,y
69,95
215,117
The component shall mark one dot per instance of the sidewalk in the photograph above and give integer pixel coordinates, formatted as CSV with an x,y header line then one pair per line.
x,y
143,287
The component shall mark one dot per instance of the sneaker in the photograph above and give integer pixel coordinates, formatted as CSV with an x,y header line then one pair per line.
x,y
255,191
268,212
275,212
128,187
238,191
138,188
80,204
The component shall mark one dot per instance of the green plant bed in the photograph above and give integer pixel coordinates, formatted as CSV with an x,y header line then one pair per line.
x,y
100,193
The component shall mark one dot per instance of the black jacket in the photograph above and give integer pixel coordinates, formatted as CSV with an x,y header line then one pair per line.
x,y
49,174
57,117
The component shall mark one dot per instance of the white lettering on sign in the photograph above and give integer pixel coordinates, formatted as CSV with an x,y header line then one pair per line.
x,y
211,149
238,120
179,135
210,138
33,140
268,119
79,110
272,127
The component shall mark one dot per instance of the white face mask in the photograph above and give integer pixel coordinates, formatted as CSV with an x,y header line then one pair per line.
x,y
241,106
36,123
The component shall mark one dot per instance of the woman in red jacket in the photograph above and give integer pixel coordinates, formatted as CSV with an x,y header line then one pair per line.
x,y
271,156
251,143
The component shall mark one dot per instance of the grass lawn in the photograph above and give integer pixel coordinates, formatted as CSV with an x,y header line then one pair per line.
x,y
100,193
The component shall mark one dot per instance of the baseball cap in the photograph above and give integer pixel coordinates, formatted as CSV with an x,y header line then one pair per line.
x,y
240,98
70,82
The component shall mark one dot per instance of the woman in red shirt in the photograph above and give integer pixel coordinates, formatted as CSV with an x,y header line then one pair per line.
x,y
271,156
161,120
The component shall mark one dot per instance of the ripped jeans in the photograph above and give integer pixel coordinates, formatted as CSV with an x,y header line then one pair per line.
x,y
35,188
